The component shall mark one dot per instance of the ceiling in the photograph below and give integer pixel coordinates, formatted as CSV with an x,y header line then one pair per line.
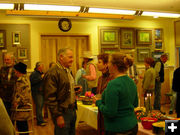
x,y
172,6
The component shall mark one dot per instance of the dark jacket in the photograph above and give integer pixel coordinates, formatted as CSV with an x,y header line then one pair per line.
x,y
36,82
161,72
7,86
56,89
176,87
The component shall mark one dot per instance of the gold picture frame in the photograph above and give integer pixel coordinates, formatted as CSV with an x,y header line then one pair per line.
x,y
143,53
2,39
158,45
127,38
144,37
22,53
16,38
109,36
158,34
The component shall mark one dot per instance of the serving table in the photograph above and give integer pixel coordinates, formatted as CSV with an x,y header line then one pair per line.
x,y
88,114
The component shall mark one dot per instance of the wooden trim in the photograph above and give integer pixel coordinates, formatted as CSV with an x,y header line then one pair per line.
x,y
67,14
177,57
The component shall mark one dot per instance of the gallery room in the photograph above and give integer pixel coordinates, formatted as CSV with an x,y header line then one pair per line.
x,y
78,35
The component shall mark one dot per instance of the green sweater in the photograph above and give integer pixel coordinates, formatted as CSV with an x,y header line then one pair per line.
x,y
117,104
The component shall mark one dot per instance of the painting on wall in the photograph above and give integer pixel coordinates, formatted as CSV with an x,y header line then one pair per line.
x,y
127,38
2,39
158,34
142,53
16,38
157,55
22,53
109,36
158,45
144,37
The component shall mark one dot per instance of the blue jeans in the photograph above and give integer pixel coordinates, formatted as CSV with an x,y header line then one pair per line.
x,y
157,95
39,102
70,120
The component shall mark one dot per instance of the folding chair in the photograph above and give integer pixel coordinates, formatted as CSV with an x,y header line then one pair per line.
x,y
27,116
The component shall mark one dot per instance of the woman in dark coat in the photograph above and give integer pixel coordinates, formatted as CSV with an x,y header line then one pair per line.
x,y
176,88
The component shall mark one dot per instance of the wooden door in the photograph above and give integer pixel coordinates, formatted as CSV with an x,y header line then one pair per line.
x,y
51,44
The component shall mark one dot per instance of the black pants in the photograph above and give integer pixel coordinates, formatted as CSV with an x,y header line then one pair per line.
x,y
8,107
132,131
22,126
94,90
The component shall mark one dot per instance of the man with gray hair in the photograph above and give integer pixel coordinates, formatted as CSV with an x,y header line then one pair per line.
x,y
60,94
36,79
159,68
7,80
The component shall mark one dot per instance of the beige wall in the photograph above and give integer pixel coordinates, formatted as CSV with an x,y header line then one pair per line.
x,y
40,26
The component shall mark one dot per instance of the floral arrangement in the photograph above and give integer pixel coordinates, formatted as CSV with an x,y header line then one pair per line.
x,y
157,114
87,100
89,94
140,112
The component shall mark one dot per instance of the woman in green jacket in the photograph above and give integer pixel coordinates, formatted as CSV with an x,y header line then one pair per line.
x,y
119,98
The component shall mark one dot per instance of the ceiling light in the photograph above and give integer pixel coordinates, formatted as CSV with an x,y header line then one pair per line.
x,y
51,7
6,6
111,11
171,15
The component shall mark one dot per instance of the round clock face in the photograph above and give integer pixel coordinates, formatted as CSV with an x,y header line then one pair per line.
x,y
64,24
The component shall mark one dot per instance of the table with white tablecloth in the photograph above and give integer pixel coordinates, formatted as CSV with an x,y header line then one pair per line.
x,y
88,114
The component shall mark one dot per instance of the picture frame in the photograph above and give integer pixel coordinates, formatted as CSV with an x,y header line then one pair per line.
x,y
16,38
127,38
143,53
157,55
109,36
22,53
109,50
144,37
158,34
158,45
2,39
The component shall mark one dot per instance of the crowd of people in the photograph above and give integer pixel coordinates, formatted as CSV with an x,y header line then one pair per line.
x,y
115,90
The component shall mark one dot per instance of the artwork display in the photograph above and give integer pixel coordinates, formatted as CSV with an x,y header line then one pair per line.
x,y
22,53
109,36
158,34
142,53
16,38
2,39
144,37
127,38
141,41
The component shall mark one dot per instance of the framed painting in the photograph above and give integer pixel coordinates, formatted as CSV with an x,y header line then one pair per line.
x,y
22,53
142,53
158,45
109,36
127,38
144,37
109,50
16,38
156,55
2,39
158,34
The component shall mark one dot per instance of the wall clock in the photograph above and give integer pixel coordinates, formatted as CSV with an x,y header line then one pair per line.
x,y
64,24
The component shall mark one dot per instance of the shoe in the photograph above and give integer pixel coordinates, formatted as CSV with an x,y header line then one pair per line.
x,y
42,124
170,112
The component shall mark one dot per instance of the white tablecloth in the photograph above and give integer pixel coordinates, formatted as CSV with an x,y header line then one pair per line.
x,y
87,113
